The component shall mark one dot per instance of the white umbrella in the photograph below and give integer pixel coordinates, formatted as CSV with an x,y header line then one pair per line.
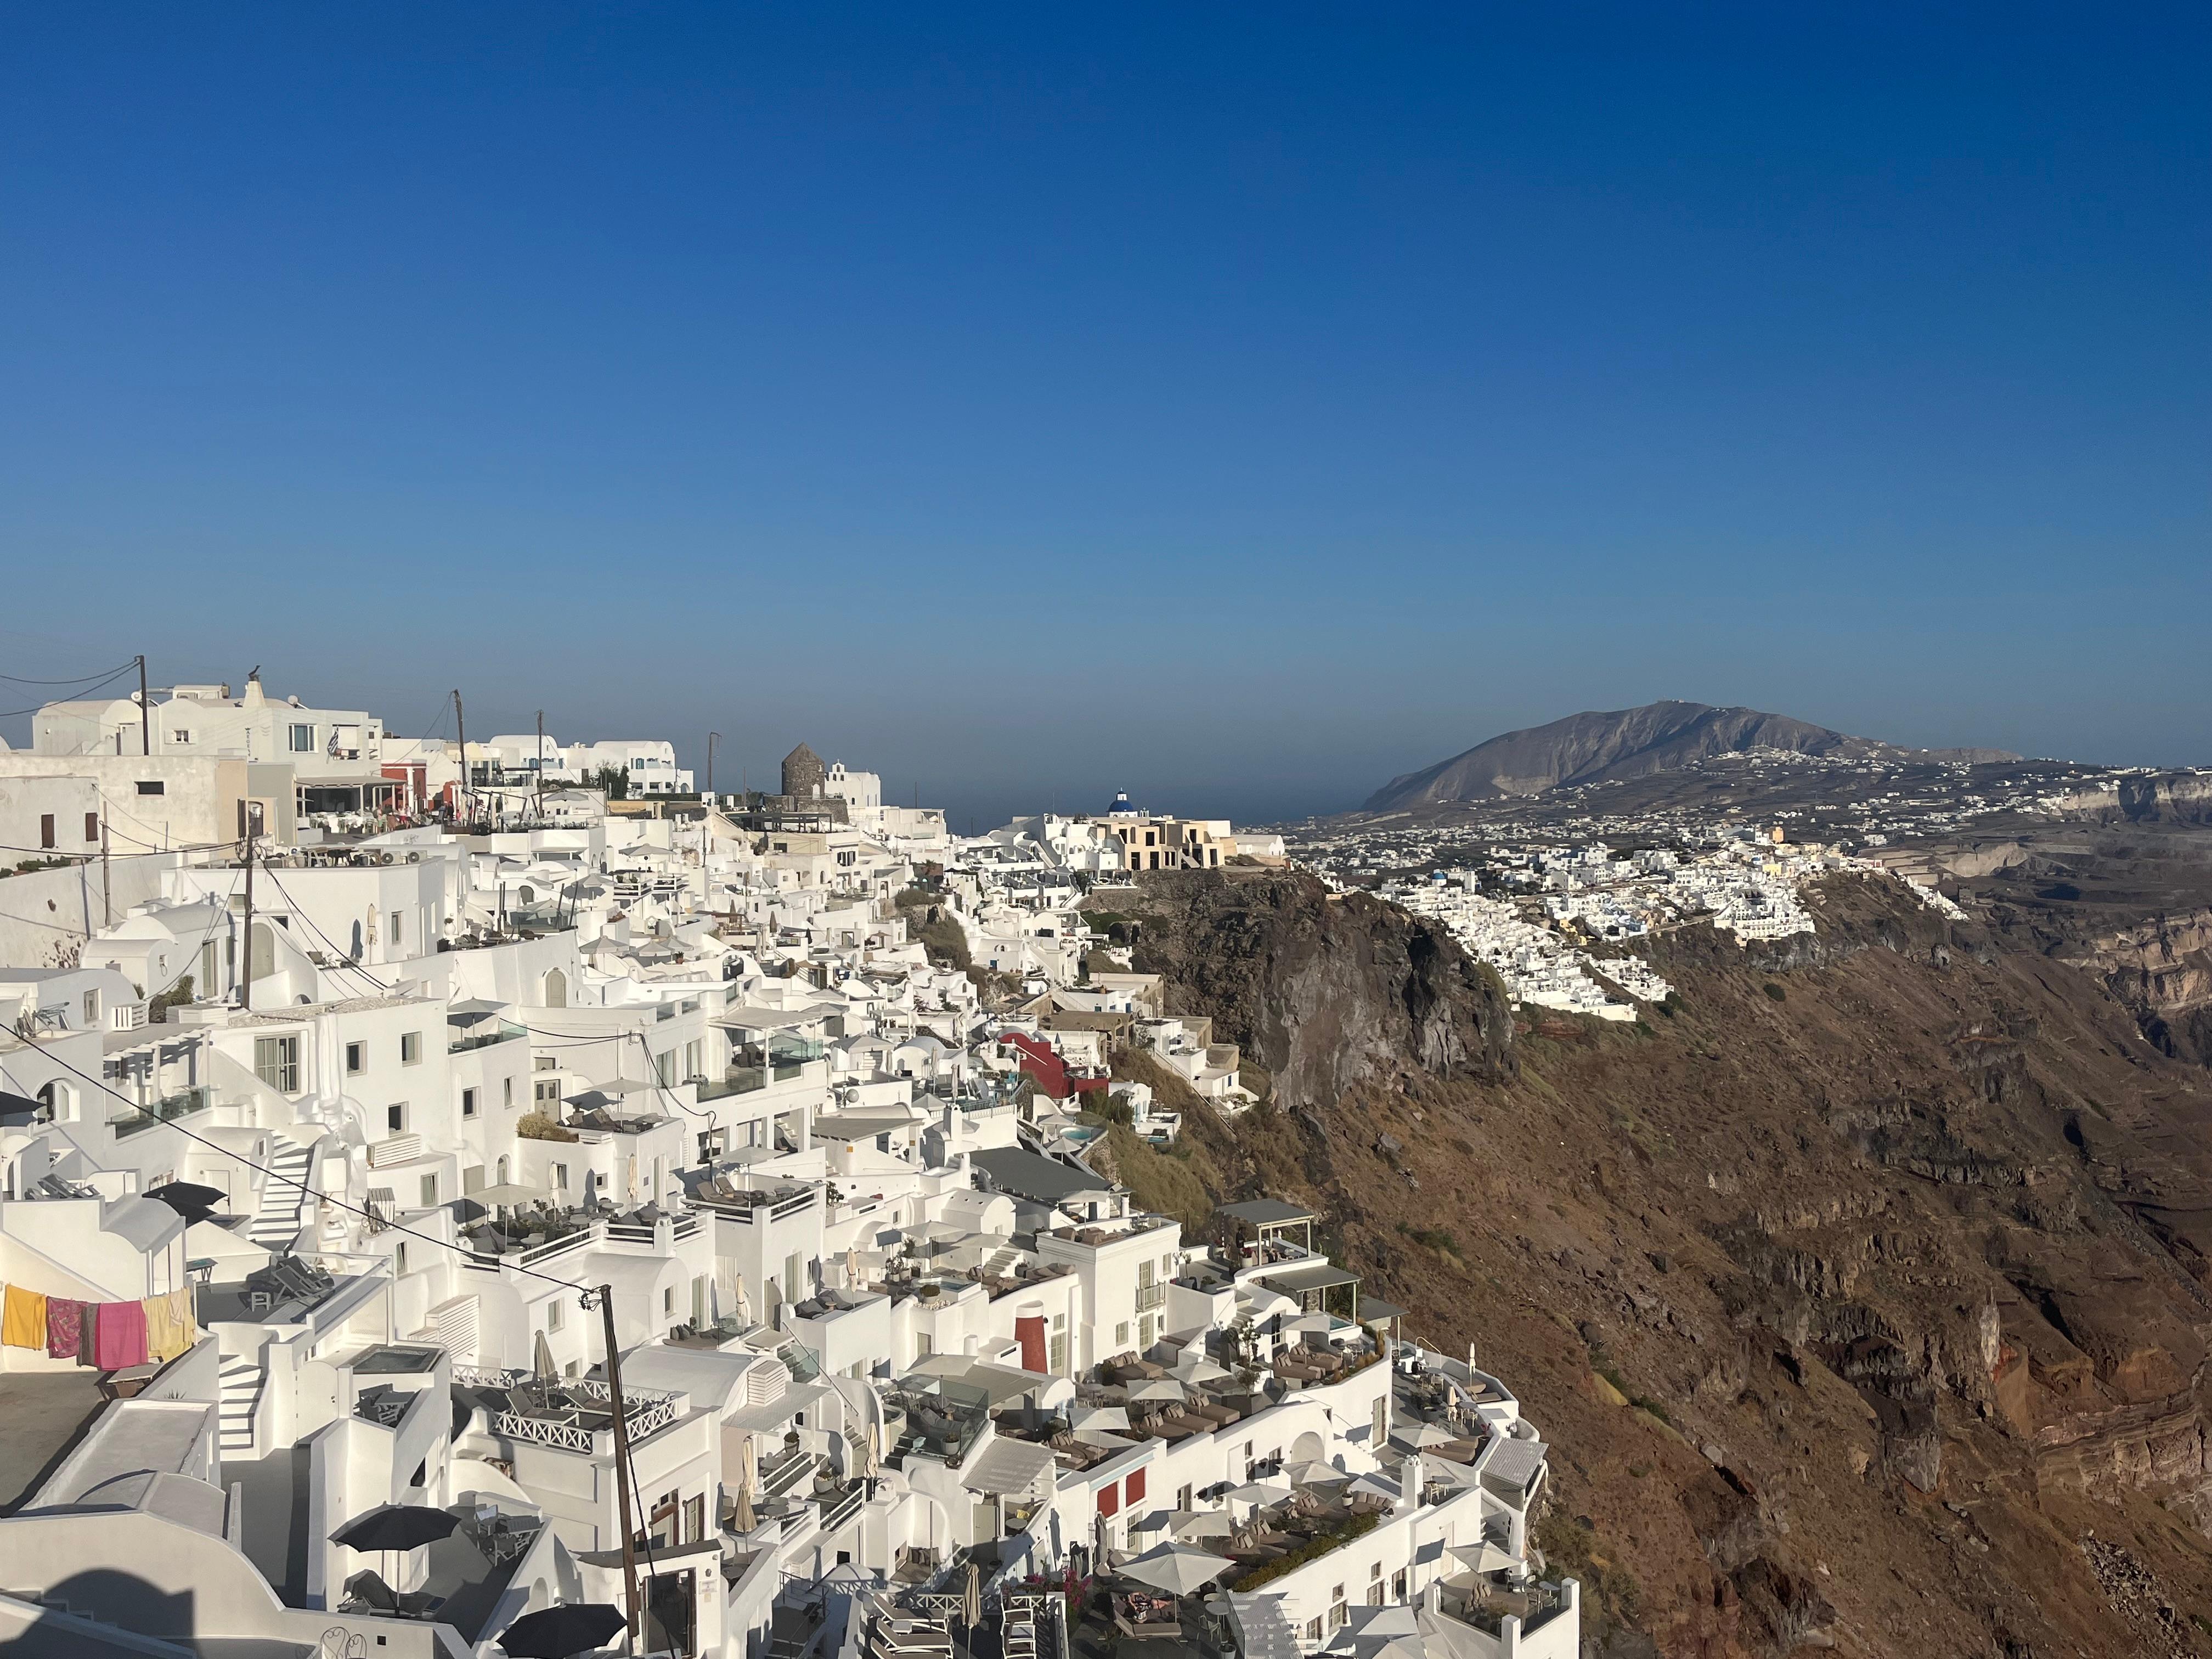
x,y
1204,1523
1158,1388
1176,1568
875,1449
852,1280
740,1302
1099,1417
1315,1321
506,1195
1313,1473
1418,1435
1263,1493
1485,1557
972,1600
1199,1370
1377,1484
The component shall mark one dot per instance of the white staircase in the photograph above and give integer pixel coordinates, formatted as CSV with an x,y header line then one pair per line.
x,y
1001,1263
243,1380
285,1202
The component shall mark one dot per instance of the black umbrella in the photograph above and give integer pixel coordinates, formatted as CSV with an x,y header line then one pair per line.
x,y
187,1198
560,1632
396,1527
20,1111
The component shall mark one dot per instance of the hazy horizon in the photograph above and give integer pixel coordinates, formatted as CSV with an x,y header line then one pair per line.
x,y
1239,409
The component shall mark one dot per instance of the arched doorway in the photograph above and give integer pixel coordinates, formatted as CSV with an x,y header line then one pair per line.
x,y
556,989
260,952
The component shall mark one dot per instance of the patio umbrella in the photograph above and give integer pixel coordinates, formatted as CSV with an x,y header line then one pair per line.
x,y
1176,1568
1198,1369
1099,1417
1158,1388
560,1632
971,1598
540,1363
1204,1523
852,1280
188,1199
1485,1557
506,1195
394,1527
1315,1322
740,1302
1418,1435
1262,1493
875,1451
1313,1473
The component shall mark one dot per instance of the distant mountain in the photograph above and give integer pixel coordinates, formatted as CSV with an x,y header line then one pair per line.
x,y
1629,743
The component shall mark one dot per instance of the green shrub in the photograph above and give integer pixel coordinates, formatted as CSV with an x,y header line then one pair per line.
x,y
1775,991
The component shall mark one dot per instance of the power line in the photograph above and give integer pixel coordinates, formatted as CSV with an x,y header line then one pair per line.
x,y
129,667
20,679
300,1183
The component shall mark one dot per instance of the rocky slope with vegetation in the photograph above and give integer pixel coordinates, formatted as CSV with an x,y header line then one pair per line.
x,y
1862,1290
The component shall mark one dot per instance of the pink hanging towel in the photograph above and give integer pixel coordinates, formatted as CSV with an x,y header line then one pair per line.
x,y
120,1336
64,1326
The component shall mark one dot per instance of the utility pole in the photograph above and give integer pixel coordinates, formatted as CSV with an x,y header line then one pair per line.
x,y
461,731
245,981
541,763
107,893
145,709
606,1294
713,738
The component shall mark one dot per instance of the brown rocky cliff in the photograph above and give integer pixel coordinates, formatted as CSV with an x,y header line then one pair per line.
x,y
1326,991
1850,1315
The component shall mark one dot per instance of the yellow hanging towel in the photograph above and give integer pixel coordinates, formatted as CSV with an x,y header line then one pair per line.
x,y
171,1328
24,1325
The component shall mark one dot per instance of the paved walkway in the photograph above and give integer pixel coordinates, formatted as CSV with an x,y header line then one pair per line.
x,y
43,1412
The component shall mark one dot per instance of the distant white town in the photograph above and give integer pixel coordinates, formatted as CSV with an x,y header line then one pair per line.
x,y
502,1197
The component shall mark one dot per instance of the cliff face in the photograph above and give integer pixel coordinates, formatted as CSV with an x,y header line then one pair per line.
x,y
1852,1313
1327,992
2162,969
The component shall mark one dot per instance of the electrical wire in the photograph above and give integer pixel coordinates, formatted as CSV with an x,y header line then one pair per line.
x,y
128,667
19,679
299,1182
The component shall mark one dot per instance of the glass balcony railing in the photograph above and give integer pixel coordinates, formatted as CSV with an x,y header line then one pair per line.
x,y
180,1104
481,1035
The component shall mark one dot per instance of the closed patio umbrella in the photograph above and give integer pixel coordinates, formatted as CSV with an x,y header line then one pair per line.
x,y
562,1632
1176,1568
971,1598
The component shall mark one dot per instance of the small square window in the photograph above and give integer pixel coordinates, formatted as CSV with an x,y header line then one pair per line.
x,y
357,1058
556,1314
410,1048
468,1103
301,739
152,786
395,1118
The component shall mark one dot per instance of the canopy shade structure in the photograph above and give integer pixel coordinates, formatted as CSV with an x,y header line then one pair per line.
x,y
562,1632
1159,1387
1099,1417
1313,1473
396,1527
1177,1568
1263,1492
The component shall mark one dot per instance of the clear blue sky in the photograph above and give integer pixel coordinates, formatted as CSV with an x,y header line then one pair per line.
x,y
1238,406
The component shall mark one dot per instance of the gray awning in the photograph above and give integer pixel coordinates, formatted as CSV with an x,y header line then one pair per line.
x,y
1265,1213
1297,1281
1010,1468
